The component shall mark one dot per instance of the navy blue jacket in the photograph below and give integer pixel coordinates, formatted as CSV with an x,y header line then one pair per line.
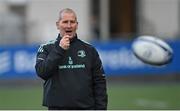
x,y
74,78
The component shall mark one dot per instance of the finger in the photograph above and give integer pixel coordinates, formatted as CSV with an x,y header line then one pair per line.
x,y
66,41
66,36
67,46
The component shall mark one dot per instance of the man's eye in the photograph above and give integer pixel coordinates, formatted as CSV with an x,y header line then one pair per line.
x,y
65,21
72,21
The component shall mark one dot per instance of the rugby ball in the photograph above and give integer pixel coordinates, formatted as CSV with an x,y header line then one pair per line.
x,y
152,50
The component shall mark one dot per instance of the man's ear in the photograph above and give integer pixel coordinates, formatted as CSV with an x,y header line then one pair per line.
x,y
57,25
77,25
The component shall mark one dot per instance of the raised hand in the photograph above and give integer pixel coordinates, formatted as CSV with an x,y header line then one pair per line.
x,y
65,42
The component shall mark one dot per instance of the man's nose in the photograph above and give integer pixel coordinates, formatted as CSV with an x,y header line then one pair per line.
x,y
69,24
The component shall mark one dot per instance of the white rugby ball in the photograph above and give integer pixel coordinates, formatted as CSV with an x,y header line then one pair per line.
x,y
152,50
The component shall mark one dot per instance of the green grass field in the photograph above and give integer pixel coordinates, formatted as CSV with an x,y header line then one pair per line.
x,y
149,96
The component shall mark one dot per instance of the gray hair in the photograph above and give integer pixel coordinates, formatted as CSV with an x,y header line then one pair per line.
x,y
66,10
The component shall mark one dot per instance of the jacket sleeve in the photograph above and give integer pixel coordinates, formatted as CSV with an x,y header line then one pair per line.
x,y
99,83
47,60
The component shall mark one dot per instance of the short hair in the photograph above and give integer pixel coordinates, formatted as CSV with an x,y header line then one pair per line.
x,y
66,10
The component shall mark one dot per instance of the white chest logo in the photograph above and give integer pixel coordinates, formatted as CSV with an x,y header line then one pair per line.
x,y
81,53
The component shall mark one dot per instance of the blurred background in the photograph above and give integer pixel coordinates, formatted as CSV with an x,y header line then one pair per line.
x,y
109,25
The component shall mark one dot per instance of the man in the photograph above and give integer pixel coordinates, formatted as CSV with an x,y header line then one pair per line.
x,y
72,70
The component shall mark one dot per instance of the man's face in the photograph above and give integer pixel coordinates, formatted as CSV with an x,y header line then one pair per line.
x,y
67,25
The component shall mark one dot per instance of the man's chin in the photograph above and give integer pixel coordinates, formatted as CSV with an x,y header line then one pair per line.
x,y
71,35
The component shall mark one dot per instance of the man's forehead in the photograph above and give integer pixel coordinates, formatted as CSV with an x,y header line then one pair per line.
x,y
70,16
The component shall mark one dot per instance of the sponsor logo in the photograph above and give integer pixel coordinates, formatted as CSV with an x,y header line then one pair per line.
x,y
76,66
70,61
70,65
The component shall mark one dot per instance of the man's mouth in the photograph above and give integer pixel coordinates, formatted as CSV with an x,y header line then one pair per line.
x,y
68,32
